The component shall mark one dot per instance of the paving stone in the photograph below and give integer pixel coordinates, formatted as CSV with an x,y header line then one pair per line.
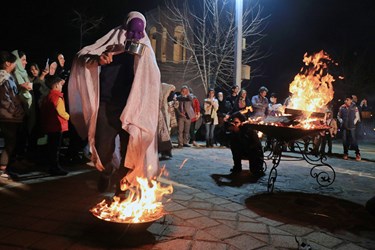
x,y
22,239
174,220
229,223
323,239
275,230
218,201
223,215
269,221
245,241
173,206
204,236
233,206
247,219
284,241
53,242
179,232
173,245
350,246
203,222
199,245
204,196
187,214
203,212
295,229
248,213
200,205
222,231
182,197
252,227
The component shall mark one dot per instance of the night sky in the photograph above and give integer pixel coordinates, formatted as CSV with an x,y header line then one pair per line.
x,y
344,29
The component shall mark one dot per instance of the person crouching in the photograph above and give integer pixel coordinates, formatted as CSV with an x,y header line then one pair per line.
x,y
244,144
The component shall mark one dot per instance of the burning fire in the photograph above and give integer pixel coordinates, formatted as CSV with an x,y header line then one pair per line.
x,y
142,203
312,87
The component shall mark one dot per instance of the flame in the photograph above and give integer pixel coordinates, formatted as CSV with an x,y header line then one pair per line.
x,y
142,203
312,87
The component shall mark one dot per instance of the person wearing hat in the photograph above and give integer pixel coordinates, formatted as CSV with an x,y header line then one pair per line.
x,y
260,103
55,122
348,116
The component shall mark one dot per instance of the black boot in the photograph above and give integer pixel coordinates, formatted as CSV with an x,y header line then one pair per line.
x,y
207,143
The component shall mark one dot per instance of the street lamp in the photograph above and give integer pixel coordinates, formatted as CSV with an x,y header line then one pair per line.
x,y
238,43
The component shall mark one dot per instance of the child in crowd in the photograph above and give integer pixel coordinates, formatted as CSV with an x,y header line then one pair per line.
x,y
55,122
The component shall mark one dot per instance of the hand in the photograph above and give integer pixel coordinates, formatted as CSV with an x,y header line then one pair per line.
x,y
26,85
105,58
44,73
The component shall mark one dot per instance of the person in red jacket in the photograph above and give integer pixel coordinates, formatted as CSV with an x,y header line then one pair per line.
x,y
197,111
55,122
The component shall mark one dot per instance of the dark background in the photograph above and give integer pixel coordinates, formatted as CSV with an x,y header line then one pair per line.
x,y
344,29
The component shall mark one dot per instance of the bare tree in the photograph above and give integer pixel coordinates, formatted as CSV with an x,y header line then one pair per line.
x,y
85,24
209,27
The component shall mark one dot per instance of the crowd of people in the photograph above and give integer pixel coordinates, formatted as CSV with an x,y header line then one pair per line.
x,y
33,113
116,106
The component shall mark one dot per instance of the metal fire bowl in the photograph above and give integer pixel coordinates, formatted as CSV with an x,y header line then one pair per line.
x,y
128,226
285,134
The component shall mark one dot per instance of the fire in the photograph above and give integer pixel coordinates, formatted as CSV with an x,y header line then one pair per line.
x,y
312,87
142,203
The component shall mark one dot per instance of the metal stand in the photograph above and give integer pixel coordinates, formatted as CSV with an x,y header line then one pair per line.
x,y
323,172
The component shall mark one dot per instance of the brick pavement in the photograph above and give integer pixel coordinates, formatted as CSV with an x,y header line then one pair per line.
x,y
52,213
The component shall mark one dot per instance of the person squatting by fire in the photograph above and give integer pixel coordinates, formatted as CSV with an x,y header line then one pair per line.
x,y
114,101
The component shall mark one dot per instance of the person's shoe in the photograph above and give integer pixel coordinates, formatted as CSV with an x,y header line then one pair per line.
x,y
180,146
103,183
258,174
195,144
345,157
358,157
236,170
186,145
58,172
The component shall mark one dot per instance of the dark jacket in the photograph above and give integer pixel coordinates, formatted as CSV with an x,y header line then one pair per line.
x,y
10,104
348,116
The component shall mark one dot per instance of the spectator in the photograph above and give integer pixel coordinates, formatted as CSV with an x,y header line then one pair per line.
x,y
39,90
211,106
274,108
242,103
107,103
260,103
55,122
11,112
224,107
164,139
184,115
233,95
197,111
27,98
348,116
329,134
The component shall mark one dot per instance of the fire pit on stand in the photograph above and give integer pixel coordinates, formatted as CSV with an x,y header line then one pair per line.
x,y
287,129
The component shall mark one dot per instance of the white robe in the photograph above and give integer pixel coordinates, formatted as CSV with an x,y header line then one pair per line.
x,y
140,115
